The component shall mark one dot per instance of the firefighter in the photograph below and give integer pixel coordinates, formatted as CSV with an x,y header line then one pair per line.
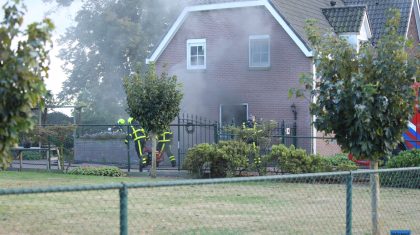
x,y
164,146
251,125
127,137
139,137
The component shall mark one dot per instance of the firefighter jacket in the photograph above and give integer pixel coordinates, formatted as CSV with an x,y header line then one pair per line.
x,y
138,134
165,137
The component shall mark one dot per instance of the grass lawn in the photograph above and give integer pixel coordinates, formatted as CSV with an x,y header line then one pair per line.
x,y
15,179
241,208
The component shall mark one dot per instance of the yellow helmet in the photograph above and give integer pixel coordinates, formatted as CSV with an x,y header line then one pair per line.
x,y
130,120
121,121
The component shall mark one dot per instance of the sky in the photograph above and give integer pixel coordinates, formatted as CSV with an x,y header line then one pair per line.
x,y
62,18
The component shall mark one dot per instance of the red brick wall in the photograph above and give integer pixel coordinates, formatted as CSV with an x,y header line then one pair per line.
x,y
228,78
326,147
412,31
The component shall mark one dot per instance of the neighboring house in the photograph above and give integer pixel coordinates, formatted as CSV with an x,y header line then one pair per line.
x,y
237,58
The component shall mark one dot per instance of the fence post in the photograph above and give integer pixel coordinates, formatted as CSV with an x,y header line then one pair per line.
x,y
295,134
349,203
283,132
216,133
123,210
128,148
179,141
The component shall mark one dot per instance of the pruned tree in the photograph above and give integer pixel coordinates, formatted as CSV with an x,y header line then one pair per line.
x,y
154,102
365,97
23,68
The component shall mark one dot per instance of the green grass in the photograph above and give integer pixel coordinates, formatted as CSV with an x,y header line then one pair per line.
x,y
240,208
14,179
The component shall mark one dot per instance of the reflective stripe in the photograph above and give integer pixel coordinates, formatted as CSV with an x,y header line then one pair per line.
x,y
164,141
172,158
140,137
142,130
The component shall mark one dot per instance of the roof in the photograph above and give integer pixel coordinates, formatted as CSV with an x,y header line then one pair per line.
x,y
377,13
297,12
345,19
345,16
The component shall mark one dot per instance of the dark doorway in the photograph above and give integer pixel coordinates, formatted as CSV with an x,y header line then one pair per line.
x,y
233,114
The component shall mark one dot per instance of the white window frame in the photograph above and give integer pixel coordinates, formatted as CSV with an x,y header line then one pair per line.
x,y
240,104
258,37
196,42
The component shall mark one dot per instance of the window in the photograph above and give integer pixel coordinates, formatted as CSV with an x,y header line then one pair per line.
x,y
233,114
196,54
259,51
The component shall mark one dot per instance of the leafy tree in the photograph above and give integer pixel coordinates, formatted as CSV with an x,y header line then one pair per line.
x,y
154,102
109,38
23,67
364,98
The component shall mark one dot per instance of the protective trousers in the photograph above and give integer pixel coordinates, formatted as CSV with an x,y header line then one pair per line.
x,y
164,146
139,138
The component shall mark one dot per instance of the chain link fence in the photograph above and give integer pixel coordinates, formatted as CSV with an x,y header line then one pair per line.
x,y
323,203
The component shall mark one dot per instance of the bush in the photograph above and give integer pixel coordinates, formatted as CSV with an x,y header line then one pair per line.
x,y
295,161
339,162
104,136
27,155
409,158
403,179
234,157
227,158
98,171
197,157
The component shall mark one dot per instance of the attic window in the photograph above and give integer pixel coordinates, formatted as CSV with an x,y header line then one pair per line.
x,y
259,51
196,54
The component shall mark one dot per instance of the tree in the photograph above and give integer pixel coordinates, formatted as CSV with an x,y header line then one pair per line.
x,y
364,98
23,68
109,38
154,102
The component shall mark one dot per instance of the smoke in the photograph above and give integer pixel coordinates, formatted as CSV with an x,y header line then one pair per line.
x,y
226,79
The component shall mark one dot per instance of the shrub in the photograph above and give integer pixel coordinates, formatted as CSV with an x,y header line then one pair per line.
x,y
339,162
98,171
234,156
104,136
295,161
197,157
409,158
227,158
403,179
26,155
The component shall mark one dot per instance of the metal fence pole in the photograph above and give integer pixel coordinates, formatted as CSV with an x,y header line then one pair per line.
x,y
179,140
128,149
123,210
283,133
349,203
216,133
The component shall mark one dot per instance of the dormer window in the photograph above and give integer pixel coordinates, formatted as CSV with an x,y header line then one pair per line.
x,y
196,54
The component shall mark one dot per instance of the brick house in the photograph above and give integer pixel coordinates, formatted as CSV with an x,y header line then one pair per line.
x,y
240,57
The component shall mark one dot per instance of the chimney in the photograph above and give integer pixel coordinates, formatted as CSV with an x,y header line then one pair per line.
x,y
332,3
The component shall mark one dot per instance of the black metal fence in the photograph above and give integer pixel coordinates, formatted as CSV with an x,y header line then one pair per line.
x,y
74,145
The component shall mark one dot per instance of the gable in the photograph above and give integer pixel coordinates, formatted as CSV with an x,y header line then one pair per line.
x,y
339,17
377,13
227,5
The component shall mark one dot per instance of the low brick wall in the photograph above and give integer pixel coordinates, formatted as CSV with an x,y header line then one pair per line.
x,y
112,151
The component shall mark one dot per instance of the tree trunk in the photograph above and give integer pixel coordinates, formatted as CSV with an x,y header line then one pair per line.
x,y
153,169
374,187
